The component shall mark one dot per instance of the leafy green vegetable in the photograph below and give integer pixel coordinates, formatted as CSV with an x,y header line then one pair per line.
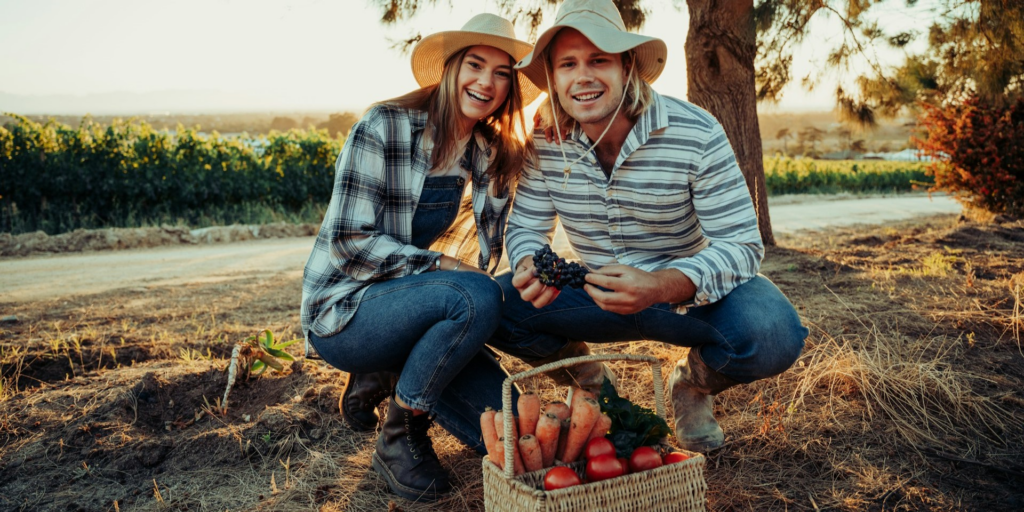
x,y
632,426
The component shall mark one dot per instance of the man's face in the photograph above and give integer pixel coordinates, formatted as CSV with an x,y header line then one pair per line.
x,y
588,81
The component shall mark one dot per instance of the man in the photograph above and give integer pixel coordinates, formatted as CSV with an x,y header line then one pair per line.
x,y
657,209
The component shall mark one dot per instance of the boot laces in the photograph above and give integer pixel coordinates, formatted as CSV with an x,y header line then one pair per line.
x,y
417,437
375,400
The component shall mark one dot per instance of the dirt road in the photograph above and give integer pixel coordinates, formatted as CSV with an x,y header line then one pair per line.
x,y
50,277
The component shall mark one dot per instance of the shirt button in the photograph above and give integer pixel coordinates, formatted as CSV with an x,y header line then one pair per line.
x,y
461,182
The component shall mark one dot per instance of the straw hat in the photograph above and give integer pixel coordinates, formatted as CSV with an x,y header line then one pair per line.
x,y
430,54
602,24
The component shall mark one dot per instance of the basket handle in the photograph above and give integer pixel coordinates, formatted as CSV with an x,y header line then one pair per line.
x,y
506,392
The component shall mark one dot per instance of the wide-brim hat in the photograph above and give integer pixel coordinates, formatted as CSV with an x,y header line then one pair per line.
x,y
600,22
430,54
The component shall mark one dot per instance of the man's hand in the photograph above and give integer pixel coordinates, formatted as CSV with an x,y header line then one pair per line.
x,y
631,290
529,286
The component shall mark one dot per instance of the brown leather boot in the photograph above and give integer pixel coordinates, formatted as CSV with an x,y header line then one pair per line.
x,y
588,376
363,393
405,457
693,387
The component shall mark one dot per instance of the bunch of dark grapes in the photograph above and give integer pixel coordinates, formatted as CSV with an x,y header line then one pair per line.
x,y
555,271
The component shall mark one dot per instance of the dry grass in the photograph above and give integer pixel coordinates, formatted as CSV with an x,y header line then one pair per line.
x,y
907,396
912,385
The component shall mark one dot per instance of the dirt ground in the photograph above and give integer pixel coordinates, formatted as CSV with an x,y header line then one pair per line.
x,y
908,395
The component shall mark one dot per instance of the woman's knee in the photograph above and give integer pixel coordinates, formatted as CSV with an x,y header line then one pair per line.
x,y
481,294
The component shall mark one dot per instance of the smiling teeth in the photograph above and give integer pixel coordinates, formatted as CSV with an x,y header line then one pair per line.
x,y
588,96
477,96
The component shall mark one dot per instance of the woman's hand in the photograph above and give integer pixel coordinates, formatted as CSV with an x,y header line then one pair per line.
x,y
545,120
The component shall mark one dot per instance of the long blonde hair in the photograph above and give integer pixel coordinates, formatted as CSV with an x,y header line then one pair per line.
x,y
639,95
504,129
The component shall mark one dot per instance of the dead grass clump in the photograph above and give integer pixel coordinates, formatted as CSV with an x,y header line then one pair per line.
x,y
912,385
1017,317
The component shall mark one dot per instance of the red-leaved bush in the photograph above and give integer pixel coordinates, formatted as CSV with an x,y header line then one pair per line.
x,y
979,150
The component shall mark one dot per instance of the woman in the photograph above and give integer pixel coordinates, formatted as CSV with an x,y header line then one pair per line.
x,y
397,291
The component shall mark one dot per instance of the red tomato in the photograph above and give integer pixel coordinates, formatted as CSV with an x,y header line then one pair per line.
x,y
603,467
673,457
559,477
625,465
644,458
598,446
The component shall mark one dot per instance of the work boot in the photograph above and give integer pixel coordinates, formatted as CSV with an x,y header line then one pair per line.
x,y
405,456
693,387
363,393
588,376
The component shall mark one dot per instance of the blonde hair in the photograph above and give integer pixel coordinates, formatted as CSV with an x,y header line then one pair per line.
x,y
639,95
504,129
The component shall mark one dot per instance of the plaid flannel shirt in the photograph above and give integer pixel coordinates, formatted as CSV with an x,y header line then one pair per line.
x,y
676,199
367,231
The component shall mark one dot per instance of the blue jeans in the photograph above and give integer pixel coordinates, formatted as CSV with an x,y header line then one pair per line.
x,y
752,333
430,328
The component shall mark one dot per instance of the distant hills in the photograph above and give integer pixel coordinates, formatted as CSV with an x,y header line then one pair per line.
x,y
162,102
791,133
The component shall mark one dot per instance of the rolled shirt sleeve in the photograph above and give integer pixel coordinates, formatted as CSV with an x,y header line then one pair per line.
x,y
728,220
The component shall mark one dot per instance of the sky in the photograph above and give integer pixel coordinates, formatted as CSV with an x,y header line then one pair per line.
x,y
256,55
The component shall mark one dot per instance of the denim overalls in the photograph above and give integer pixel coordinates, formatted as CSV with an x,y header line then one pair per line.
x,y
437,209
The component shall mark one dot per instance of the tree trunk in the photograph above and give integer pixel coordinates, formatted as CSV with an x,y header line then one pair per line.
x,y
720,50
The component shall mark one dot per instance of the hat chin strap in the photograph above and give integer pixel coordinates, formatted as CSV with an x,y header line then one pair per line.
x,y
565,160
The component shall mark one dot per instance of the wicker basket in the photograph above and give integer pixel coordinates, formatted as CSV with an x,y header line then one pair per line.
x,y
677,486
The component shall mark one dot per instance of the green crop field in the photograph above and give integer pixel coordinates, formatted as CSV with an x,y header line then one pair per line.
x,y
785,175
57,178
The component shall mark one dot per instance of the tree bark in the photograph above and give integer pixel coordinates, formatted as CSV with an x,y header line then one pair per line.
x,y
720,50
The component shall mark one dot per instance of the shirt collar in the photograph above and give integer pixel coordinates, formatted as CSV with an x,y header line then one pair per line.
x,y
653,119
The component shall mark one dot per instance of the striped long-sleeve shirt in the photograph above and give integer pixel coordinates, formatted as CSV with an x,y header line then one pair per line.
x,y
366,235
675,199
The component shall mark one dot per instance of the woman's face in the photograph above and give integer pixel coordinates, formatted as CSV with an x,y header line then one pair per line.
x,y
484,81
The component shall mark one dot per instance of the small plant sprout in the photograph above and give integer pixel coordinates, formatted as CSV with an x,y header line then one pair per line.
x,y
256,353
268,351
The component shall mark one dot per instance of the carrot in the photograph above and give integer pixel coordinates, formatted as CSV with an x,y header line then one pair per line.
x,y
563,437
558,409
604,422
498,456
517,460
579,394
584,416
529,413
529,448
499,427
489,434
548,429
